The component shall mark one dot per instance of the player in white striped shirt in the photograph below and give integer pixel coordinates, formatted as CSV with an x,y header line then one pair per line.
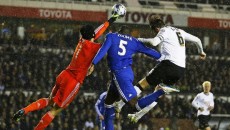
x,y
172,62
204,103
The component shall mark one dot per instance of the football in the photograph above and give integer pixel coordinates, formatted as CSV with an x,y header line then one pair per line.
x,y
119,9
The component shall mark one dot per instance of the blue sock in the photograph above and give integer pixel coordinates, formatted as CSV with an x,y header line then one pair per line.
x,y
147,100
109,117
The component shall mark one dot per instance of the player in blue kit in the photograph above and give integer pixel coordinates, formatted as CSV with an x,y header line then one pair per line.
x,y
120,47
100,108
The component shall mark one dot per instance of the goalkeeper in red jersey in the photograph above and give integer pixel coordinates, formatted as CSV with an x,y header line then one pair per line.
x,y
69,81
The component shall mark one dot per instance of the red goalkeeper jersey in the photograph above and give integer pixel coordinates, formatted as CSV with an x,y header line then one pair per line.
x,y
84,54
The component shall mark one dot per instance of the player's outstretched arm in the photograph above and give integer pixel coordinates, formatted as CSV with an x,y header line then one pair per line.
x,y
197,41
153,41
105,47
203,56
102,28
148,51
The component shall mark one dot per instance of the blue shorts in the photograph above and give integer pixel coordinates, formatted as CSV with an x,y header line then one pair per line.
x,y
122,83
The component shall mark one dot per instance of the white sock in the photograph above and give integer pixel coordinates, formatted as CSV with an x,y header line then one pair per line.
x,y
145,110
121,103
138,107
108,106
137,90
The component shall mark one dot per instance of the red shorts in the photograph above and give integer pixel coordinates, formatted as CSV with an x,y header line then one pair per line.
x,y
67,87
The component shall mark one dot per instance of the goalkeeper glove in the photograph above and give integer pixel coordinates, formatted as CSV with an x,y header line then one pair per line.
x,y
113,18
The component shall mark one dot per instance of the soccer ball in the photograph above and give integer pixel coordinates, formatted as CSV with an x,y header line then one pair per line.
x,y
119,9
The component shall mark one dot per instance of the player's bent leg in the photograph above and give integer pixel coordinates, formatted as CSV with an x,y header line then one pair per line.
x,y
168,89
37,105
118,106
138,115
102,125
145,104
138,90
143,84
149,99
109,117
18,115
111,98
48,117
56,110
63,97
132,103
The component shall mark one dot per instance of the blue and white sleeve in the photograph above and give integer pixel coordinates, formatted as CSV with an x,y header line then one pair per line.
x,y
97,107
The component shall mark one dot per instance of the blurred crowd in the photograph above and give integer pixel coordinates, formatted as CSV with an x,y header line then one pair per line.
x,y
30,65
81,115
34,67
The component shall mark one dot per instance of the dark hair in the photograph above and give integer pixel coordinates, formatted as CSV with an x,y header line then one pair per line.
x,y
155,21
124,30
87,32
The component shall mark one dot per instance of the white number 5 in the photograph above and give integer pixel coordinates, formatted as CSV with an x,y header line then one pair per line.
x,y
123,49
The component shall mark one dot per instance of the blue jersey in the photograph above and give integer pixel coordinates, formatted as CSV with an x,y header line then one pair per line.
x,y
99,106
120,49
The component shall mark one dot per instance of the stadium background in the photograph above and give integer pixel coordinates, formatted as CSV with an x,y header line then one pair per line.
x,y
38,38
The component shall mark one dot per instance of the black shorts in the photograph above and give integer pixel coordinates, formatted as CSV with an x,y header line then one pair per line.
x,y
165,72
203,121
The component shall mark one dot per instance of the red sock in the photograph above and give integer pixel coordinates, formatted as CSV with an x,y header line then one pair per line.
x,y
45,121
37,105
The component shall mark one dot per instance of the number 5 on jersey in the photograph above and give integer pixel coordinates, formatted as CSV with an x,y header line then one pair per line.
x,y
122,47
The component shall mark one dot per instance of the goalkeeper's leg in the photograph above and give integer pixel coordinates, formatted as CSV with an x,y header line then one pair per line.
x,y
37,105
47,118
